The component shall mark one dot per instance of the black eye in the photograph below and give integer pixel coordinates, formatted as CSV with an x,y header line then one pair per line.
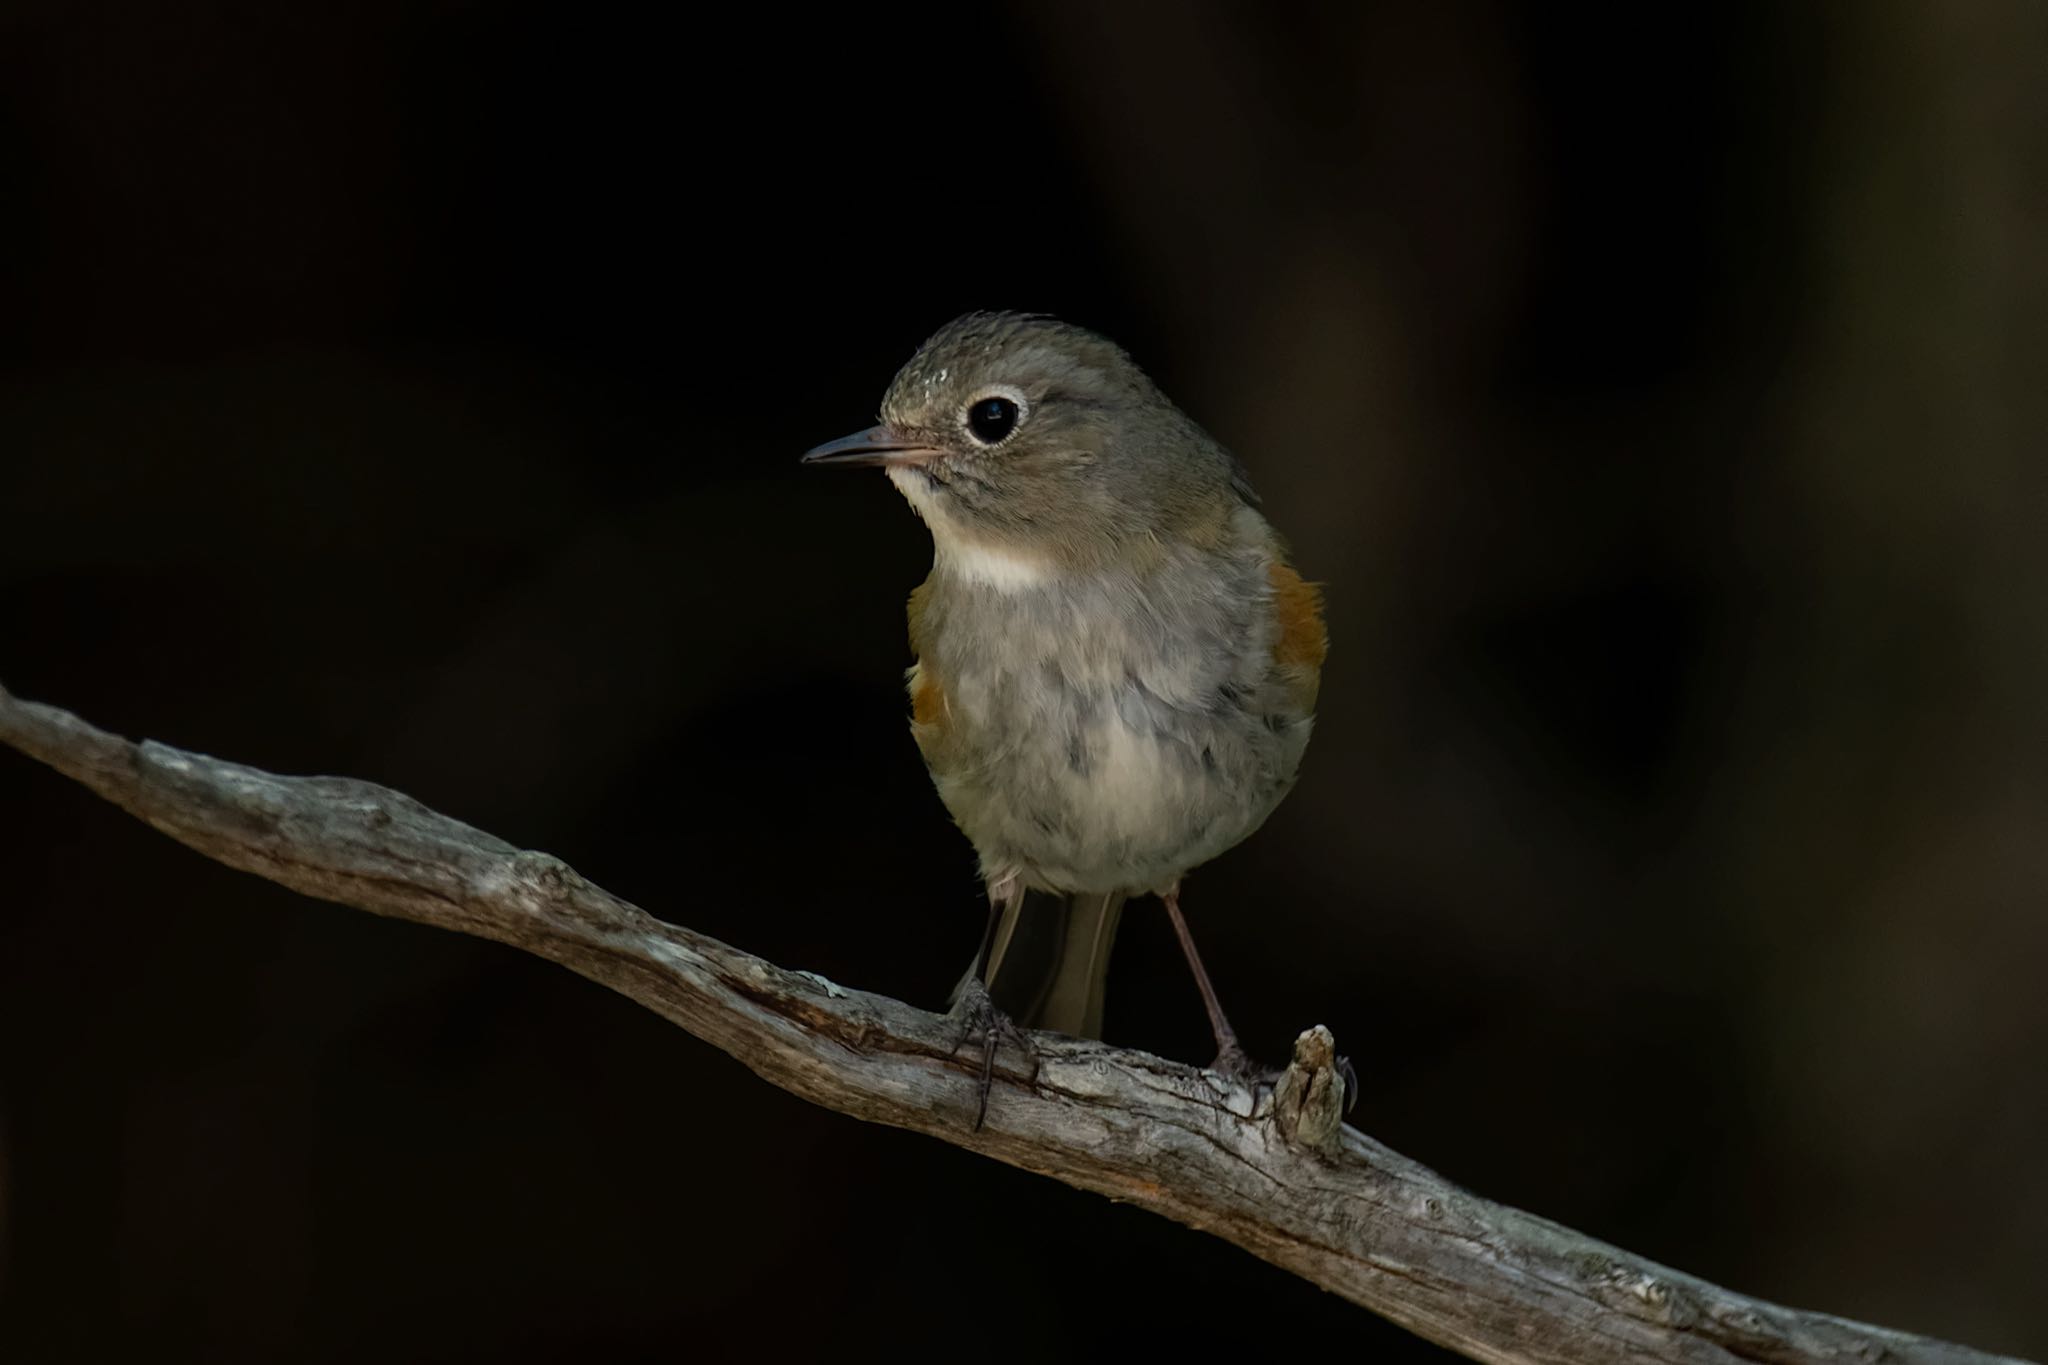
x,y
992,419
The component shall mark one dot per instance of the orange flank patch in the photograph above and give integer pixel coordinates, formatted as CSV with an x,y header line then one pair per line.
x,y
928,711
927,699
1303,641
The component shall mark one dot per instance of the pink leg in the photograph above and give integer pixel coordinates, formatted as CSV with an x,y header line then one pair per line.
x,y
1230,1055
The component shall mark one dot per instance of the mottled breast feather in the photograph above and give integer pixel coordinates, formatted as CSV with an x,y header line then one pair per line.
x,y
914,611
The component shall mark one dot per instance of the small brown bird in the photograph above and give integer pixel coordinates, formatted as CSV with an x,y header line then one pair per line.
x,y
1116,667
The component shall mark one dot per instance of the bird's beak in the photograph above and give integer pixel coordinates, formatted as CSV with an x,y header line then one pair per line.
x,y
875,446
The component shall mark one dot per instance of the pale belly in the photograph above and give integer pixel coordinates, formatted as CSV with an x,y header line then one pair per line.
x,y
1109,790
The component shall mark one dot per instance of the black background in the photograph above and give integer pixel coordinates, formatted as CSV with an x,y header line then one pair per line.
x,y
413,391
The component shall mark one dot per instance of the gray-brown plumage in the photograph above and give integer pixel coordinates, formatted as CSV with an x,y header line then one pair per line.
x,y
1116,668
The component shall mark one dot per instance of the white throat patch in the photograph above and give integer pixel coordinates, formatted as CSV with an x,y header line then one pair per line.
x,y
989,565
972,561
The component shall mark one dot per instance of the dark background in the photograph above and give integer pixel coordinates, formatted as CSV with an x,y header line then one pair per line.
x,y
413,391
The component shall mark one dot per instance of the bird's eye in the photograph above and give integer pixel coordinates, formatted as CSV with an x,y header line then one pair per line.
x,y
992,419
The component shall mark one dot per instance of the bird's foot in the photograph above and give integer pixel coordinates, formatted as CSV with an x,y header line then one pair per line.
x,y
976,1014
1235,1064
1233,1061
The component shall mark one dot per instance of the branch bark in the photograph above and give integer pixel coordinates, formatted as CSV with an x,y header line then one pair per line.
x,y
1277,1175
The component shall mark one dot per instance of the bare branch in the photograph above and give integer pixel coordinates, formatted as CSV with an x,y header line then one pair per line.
x,y
1279,1179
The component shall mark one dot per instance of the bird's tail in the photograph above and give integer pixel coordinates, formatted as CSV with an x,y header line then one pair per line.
x,y
1049,960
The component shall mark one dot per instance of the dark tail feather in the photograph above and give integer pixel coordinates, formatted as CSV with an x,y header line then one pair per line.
x,y
1049,962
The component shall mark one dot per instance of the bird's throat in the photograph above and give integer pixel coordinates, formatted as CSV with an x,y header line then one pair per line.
x,y
960,554
987,565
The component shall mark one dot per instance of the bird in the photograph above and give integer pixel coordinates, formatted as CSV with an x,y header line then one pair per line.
x,y
1115,662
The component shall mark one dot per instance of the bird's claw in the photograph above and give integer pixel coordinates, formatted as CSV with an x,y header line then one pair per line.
x,y
977,1013
1233,1061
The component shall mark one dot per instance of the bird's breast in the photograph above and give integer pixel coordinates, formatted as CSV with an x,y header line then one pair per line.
x,y
1106,735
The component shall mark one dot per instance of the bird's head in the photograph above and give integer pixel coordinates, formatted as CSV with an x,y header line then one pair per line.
x,y
1027,442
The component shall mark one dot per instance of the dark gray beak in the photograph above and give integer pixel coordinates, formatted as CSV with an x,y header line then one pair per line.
x,y
875,446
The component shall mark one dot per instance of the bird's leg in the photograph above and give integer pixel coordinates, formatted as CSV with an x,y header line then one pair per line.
x,y
1002,893
1231,1058
975,1010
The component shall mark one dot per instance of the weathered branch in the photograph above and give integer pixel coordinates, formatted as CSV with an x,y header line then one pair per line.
x,y
1278,1178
